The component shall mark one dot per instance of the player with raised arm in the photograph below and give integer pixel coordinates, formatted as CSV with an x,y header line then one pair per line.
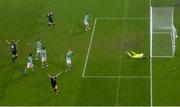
x,y
13,49
44,57
38,48
86,22
54,82
29,64
68,60
50,19
135,55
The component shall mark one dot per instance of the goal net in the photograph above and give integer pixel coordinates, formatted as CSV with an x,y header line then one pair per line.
x,y
163,32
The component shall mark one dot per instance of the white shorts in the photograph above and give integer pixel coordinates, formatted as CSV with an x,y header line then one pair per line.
x,y
29,65
44,59
38,51
68,61
86,23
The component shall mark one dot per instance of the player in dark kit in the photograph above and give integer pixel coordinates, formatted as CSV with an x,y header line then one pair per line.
x,y
50,19
14,50
53,82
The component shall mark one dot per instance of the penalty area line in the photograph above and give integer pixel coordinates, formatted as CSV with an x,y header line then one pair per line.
x,y
124,18
162,56
119,77
89,48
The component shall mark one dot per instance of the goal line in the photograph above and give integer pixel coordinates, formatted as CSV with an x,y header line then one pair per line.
x,y
121,77
124,18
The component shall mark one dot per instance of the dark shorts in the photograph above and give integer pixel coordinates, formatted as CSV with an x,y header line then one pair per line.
x,y
53,85
51,21
14,52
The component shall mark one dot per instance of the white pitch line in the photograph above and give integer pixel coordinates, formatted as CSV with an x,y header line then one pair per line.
x,y
163,56
121,77
70,32
161,32
124,18
92,35
150,73
117,90
126,8
89,48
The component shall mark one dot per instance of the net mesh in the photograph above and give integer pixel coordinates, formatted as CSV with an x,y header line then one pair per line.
x,y
163,26
162,18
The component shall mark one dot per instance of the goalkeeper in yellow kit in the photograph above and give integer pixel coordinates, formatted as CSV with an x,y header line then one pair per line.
x,y
135,55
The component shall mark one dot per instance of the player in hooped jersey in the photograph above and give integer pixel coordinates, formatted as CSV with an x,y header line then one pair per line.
x,y
86,22
38,48
68,60
44,57
29,64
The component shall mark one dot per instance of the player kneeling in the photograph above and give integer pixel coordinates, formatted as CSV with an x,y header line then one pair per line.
x,y
44,57
29,64
135,55
68,60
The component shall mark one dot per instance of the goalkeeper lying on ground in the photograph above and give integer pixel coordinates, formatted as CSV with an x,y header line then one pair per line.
x,y
135,55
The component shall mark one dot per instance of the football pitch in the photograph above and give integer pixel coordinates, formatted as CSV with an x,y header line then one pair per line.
x,y
102,73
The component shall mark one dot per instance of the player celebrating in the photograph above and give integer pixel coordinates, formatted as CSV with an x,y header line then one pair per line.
x,y
53,82
50,19
136,56
38,48
86,23
14,50
29,64
44,57
68,60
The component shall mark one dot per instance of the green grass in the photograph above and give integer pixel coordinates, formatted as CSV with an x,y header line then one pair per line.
x,y
109,47
25,20
162,45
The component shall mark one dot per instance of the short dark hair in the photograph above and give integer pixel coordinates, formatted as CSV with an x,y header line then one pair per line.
x,y
30,54
13,42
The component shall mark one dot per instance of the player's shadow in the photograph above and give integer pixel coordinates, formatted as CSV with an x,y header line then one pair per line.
x,y
80,31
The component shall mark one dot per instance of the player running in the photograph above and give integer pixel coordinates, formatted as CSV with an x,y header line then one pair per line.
x,y
54,83
44,57
14,50
29,64
86,22
68,60
136,56
50,19
38,48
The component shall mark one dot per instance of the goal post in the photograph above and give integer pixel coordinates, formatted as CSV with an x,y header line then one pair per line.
x,y
163,32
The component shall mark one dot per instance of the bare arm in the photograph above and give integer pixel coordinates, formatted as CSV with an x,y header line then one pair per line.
x,y
49,75
17,41
8,42
58,74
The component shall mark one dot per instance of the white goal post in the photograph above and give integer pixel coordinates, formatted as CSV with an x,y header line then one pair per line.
x,y
162,32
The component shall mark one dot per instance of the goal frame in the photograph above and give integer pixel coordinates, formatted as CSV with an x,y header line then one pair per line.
x,y
171,30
